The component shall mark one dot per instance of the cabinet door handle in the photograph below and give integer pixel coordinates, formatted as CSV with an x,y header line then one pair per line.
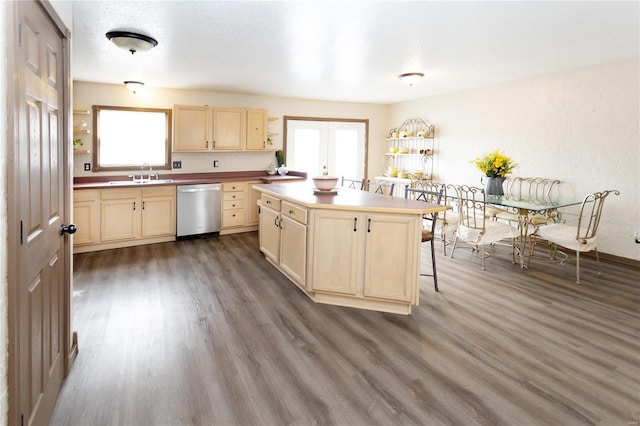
x,y
355,224
206,144
369,225
214,144
291,212
134,205
143,205
268,202
275,222
280,224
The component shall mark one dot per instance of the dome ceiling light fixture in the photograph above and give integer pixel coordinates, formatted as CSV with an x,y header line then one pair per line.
x,y
133,42
411,78
134,86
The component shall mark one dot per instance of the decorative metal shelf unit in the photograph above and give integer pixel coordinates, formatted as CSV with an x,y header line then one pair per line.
x,y
410,149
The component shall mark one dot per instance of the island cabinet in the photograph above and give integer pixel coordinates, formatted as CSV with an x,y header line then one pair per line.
x,y
384,244
283,237
355,249
121,217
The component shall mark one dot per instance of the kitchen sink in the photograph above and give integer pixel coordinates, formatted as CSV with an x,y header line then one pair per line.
x,y
140,182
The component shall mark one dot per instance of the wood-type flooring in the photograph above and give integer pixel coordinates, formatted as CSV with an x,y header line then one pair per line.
x,y
207,332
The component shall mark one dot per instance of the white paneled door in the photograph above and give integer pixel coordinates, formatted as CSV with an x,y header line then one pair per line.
x,y
333,148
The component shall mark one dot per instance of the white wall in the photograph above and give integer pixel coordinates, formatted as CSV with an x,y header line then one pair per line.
x,y
87,94
581,127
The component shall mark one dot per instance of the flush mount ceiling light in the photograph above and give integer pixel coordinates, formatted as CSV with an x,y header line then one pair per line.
x,y
411,78
134,86
133,42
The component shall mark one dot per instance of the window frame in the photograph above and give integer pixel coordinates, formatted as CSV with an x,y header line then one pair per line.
x,y
96,137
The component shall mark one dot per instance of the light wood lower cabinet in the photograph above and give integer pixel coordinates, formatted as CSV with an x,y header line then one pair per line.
x,y
385,246
234,196
86,217
239,207
336,240
342,257
283,237
124,217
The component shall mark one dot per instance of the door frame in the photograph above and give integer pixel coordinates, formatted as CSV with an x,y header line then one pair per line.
x,y
365,121
70,348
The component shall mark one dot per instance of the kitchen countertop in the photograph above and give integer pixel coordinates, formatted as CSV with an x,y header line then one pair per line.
x,y
102,182
303,193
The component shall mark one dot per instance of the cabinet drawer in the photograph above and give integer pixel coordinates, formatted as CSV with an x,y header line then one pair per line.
x,y
233,205
230,196
159,191
271,202
295,212
85,195
234,186
117,194
232,218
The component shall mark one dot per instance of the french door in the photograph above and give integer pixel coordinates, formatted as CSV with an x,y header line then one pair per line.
x,y
333,148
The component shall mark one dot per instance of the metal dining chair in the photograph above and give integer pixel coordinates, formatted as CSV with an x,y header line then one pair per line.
x,y
433,195
474,227
353,183
381,187
580,237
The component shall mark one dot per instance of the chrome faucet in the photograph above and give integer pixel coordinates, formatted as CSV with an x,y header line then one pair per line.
x,y
142,171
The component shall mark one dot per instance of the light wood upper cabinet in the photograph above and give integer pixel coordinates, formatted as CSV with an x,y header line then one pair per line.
x,y
191,128
206,129
256,129
229,129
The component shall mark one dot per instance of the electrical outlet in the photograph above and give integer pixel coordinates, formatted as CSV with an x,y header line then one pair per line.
x,y
87,167
177,164
216,163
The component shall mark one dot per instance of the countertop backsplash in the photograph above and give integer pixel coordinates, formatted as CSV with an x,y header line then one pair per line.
x,y
193,162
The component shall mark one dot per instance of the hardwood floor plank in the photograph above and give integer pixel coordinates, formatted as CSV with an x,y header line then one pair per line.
x,y
207,332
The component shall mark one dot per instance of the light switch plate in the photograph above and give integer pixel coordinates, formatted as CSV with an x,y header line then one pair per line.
x,y
177,164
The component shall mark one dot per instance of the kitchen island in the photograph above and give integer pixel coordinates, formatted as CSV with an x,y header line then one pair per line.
x,y
352,248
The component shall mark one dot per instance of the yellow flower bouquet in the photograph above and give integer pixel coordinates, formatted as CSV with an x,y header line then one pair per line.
x,y
495,164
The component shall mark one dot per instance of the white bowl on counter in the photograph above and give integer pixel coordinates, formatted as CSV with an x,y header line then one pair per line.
x,y
325,183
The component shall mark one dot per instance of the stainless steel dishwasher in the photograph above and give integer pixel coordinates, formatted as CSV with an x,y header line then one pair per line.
x,y
198,209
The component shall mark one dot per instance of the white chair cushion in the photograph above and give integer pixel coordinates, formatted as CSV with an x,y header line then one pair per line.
x,y
494,231
443,228
565,235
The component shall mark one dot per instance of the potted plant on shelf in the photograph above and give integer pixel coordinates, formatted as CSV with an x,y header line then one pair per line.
x,y
495,166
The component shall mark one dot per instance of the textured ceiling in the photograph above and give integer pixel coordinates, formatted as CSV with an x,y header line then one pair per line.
x,y
348,51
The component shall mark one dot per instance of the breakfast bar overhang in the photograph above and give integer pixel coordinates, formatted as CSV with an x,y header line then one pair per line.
x,y
345,247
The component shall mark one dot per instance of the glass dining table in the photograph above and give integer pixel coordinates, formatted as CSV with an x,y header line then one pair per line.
x,y
526,210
